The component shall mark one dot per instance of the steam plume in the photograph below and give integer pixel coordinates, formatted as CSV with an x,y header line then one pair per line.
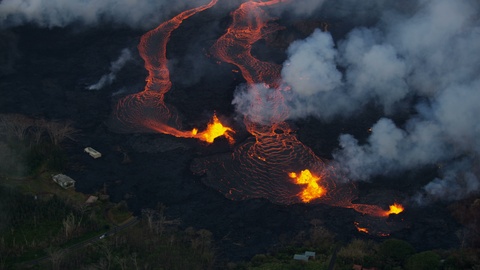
x,y
115,67
428,53
60,13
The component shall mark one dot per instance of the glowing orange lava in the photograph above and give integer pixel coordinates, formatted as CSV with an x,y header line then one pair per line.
x,y
360,229
313,190
257,167
250,23
147,111
395,208
214,130
377,211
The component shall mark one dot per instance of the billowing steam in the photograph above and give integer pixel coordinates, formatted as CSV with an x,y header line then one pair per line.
x,y
428,55
259,103
115,67
60,13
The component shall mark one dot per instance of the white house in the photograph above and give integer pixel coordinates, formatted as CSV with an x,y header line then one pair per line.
x,y
63,181
92,152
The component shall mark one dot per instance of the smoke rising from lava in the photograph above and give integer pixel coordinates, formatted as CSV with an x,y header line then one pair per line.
x,y
60,13
259,104
429,56
115,67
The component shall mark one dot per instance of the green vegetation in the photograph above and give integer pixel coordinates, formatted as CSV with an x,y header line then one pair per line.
x,y
29,146
394,252
153,243
427,260
32,224
39,217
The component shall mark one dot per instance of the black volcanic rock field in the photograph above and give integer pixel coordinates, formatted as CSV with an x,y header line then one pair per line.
x,y
44,74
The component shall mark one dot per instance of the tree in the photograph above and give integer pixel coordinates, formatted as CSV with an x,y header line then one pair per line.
x,y
59,131
56,256
355,252
427,260
394,252
15,125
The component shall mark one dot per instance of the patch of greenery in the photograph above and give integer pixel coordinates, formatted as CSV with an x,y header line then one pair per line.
x,y
45,157
144,246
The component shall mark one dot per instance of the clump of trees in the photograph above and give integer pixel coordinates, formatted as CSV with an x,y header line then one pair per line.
x,y
28,146
31,224
154,243
20,127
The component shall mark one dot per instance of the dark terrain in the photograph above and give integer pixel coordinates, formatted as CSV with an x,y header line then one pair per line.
x,y
44,73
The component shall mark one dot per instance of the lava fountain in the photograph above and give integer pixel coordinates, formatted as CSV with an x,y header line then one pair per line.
x,y
146,111
313,189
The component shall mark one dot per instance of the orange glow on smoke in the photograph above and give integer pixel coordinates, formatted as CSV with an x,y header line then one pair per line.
x,y
214,130
360,229
313,189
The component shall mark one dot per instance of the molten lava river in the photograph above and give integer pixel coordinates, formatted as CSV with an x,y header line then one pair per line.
x,y
272,163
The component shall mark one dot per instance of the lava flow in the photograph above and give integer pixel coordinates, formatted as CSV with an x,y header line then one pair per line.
x,y
214,130
360,229
146,110
377,211
250,24
274,164
375,221
261,167
313,189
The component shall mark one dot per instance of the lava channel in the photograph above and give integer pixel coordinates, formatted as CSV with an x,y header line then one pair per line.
x,y
146,111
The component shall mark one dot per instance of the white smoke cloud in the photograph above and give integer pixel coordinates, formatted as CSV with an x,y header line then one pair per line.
x,y
60,13
311,72
311,67
373,69
444,130
373,72
355,11
430,53
458,181
260,104
115,67
304,7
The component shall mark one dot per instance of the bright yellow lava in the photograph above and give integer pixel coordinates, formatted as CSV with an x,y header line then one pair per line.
x,y
313,190
396,208
214,130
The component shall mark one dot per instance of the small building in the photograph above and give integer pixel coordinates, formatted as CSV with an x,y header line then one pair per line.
x,y
92,152
310,254
300,257
304,257
91,199
63,181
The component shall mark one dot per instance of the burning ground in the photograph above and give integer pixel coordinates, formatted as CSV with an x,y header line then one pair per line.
x,y
363,108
